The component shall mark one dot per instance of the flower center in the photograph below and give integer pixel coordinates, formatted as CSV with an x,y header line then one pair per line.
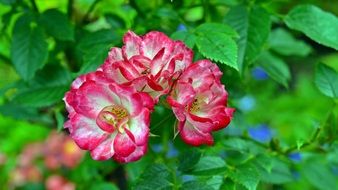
x,y
113,117
194,107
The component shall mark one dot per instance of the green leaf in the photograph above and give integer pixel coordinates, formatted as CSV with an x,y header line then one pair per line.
x,y
47,88
57,25
209,165
94,58
115,21
326,80
264,161
198,185
253,27
275,68
218,47
216,27
279,174
282,42
188,159
60,120
315,23
246,175
104,186
157,176
186,37
29,49
319,175
94,48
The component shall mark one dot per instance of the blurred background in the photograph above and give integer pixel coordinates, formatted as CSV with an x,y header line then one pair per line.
x,y
283,134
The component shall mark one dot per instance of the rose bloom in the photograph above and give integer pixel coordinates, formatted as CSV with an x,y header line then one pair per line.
x,y
199,102
150,62
108,119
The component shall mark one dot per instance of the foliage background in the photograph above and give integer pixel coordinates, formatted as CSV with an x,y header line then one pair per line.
x,y
279,60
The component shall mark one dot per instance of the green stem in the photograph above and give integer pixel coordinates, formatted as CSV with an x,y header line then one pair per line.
x,y
35,7
91,8
70,8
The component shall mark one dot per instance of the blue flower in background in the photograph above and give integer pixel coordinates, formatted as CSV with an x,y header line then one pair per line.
x,y
157,148
181,27
334,170
295,174
186,178
172,152
258,73
247,103
295,156
261,133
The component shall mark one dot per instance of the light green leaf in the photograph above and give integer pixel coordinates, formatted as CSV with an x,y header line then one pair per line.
x,y
189,159
104,186
157,176
57,24
29,50
326,80
317,24
216,27
253,27
185,36
246,175
275,67
209,165
218,47
282,42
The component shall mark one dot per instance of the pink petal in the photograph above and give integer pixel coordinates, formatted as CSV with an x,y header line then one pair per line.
x,y
115,54
132,44
136,155
123,145
85,132
193,136
153,42
139,127
105,150
91,98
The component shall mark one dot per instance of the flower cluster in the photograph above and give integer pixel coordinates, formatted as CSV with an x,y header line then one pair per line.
x,y
109,109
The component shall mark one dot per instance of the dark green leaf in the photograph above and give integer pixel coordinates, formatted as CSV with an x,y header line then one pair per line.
x,y
94,58
57,24
40,96
317,24
60,120
198,185
185,36
218,47
209,165
279,174
29,49
7,2
319,175
253,27
47,88
326,80
157,176
189,159
246,175
275,67
284,43
115,21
